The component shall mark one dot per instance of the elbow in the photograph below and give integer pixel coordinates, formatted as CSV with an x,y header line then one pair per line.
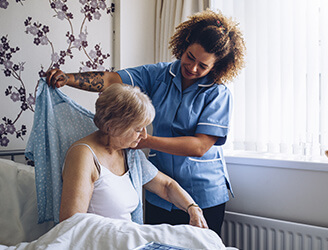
x,y
199,154
200,148
199,151
63,217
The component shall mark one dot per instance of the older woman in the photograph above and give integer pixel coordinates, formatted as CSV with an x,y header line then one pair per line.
x,y
103,175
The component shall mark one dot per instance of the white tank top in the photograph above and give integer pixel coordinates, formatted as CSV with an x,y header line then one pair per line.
x,y
113,196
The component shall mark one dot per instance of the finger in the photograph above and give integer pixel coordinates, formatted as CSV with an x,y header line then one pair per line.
x,y
57,79
196,222
205,224
49,75
61,80
200,222
52,77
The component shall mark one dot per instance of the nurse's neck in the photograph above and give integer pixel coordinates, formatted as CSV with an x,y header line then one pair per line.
x,y
186,83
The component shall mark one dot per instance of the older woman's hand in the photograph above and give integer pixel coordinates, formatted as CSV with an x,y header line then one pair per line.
x,y
56,78
196,217
168,189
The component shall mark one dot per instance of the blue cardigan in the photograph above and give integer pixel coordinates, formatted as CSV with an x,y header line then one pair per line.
x,y
58,123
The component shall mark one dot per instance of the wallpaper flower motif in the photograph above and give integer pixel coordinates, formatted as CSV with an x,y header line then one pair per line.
x,y
92,10
16,94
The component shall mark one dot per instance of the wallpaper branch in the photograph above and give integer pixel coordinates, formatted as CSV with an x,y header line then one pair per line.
x,y
82,52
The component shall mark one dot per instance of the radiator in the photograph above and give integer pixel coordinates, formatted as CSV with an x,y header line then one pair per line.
x,y
247,232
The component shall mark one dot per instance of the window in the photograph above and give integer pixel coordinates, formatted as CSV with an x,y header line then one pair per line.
x,y
281,97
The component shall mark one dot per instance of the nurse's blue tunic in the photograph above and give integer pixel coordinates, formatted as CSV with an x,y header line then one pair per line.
x,y
204,108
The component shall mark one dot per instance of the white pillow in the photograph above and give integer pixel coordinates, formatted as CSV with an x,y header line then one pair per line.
x,y
18,205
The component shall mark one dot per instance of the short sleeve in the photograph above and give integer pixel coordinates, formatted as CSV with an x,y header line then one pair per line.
x,y
149,171
145,77
215,117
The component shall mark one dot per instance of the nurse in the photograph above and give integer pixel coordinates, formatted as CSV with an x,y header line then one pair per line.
x,y
193,109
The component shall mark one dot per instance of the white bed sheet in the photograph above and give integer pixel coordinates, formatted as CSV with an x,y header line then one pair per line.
x,y
90,231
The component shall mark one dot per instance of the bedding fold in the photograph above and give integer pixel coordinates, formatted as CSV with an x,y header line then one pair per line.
x,y
90,231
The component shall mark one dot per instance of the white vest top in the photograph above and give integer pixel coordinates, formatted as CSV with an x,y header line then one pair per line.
x,y
113,196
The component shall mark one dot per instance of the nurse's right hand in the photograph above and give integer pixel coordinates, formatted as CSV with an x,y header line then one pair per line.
x,y
56,78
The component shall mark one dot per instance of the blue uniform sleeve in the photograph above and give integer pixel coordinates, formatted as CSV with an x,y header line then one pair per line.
x,y
221,140
215,117
145,76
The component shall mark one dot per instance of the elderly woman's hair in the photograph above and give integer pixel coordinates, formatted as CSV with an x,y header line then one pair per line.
x,y
216,34
121,107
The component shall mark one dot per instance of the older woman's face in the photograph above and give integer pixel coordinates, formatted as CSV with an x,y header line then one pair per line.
x,y
131,138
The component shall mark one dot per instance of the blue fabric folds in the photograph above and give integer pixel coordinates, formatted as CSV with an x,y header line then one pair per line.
x,y
58,122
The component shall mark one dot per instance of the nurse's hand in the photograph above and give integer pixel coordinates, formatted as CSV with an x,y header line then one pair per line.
x,y
56,78
143,143
196,217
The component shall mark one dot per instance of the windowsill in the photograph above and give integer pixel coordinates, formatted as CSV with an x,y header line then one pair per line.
x,y
278,161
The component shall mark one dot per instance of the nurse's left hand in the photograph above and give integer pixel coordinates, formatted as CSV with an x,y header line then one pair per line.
x,y
142,144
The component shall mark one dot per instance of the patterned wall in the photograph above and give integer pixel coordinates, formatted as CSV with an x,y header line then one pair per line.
x,y
36,35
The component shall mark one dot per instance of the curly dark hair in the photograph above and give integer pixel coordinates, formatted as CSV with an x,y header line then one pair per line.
x,y
216,34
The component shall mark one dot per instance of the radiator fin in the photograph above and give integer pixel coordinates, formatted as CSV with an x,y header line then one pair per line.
x,y
249,232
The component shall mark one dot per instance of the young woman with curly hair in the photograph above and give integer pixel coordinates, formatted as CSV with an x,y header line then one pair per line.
x,y
193,109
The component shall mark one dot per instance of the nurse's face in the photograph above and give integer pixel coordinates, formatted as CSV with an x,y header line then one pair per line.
x,y
196,63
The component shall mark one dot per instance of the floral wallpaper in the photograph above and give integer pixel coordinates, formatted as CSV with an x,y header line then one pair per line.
x,y
38,35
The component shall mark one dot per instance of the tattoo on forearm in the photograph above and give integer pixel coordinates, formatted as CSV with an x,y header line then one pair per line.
x,y
92,81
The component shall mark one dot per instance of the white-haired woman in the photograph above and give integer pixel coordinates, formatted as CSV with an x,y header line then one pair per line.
x,y
104,175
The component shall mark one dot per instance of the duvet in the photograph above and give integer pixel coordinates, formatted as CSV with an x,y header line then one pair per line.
x,y
19,228
90,231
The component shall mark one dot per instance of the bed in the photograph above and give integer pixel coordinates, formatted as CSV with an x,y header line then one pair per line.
x,y
19,228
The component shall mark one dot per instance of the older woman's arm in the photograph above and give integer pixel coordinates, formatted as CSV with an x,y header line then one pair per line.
x,y
78,178
170,190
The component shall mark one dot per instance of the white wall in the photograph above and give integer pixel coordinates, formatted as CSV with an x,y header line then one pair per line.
x,y
134,33
287,190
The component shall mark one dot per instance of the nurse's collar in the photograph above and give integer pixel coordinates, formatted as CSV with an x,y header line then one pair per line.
x,y
176,66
